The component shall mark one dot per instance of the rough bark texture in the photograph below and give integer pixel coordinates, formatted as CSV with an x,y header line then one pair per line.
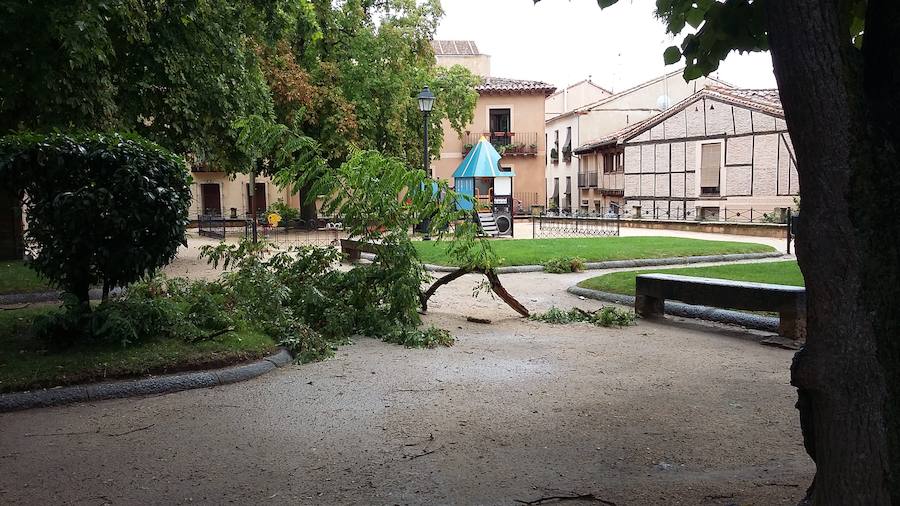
x,y
841,108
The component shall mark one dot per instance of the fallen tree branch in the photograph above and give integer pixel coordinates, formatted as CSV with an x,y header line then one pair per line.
x,y
561,498
496,287
443,280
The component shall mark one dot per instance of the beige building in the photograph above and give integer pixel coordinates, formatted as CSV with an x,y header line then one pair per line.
x,y
576,184
509,112
218,194
721,154
577,95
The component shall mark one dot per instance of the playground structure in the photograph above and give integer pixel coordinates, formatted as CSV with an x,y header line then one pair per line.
x,y
490,187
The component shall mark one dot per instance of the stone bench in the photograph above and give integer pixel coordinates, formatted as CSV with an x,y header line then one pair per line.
x,y
354,249
652,290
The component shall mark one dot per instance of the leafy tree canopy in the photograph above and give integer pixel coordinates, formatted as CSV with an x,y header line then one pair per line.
x,y
180,73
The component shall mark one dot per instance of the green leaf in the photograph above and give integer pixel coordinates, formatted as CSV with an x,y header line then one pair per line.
x,y
694,17
606,3
671,55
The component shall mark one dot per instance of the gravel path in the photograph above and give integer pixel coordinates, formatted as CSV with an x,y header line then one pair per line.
x,y
659,413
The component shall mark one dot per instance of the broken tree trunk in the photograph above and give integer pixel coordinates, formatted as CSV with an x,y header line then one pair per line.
x,y
493,279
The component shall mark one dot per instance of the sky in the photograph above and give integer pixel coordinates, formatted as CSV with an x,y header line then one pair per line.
x,y
564,41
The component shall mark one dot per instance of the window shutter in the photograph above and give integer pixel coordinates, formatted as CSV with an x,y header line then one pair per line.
x,y
710,160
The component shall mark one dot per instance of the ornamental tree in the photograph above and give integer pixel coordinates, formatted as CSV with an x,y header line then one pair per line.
x,y
102,209
837,63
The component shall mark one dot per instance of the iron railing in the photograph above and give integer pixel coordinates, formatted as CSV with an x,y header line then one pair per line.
x,y
710,214
506,143
609,182
545,225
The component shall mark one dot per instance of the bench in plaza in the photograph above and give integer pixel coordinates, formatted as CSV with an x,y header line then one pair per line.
x,y
354,249
652,290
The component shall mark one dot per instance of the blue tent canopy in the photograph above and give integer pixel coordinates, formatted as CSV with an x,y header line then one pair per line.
x,y
482,161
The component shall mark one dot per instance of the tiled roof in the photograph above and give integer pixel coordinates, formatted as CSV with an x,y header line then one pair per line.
x,y
505,85
455,47
758,97
764,100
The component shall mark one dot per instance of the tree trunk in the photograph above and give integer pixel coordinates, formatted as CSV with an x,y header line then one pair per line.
x,y
841,109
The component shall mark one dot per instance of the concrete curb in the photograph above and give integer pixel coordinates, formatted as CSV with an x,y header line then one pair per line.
x,y
620,264
16,401
752,321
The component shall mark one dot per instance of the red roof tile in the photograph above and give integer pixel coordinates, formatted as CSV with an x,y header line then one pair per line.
x,y
505,85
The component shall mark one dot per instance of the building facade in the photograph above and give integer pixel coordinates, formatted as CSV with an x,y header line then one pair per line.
x,y
509,113
569,175
721,154
215,193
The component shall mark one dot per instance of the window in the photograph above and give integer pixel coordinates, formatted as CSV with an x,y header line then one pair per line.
x,y
613,162
567,148
500,124
710,166
568,200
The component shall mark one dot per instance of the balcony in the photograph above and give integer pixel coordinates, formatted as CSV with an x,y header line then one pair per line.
x,y
609,183
506,143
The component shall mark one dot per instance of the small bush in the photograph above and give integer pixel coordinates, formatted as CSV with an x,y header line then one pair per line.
x,y
286,212
563,265
607,316
432,337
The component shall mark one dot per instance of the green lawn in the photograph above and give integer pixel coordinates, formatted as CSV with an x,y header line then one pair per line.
x,y
16,278
779,273
595,249
25,365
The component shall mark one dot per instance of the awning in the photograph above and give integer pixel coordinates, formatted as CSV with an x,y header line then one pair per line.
x,y
555,189
568,186
482,161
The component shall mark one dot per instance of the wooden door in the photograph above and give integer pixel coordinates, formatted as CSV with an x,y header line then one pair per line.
x,y
259,200
210,199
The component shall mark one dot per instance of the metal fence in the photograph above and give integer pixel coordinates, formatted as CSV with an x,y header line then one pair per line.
x,y
547,226
311,232
710,214
211,225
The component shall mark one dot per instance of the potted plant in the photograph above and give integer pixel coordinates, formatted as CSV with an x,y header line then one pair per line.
x,y
533,147
467,147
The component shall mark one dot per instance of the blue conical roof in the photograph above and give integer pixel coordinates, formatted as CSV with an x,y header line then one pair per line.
x,y
482,161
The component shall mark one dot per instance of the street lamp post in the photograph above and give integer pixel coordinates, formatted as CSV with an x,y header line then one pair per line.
x,y
426,104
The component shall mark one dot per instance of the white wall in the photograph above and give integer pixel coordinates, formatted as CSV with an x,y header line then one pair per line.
x,y
758,166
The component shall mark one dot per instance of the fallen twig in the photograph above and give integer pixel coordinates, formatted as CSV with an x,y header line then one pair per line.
x,y
63,433
561,498
217,333
411,457
130,431
474,319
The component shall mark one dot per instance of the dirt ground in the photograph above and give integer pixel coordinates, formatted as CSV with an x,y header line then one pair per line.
x,y
667,412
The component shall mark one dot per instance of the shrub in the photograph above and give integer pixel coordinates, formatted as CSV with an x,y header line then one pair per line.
x,y
286,212
607,316
431,337
564,264
101,208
